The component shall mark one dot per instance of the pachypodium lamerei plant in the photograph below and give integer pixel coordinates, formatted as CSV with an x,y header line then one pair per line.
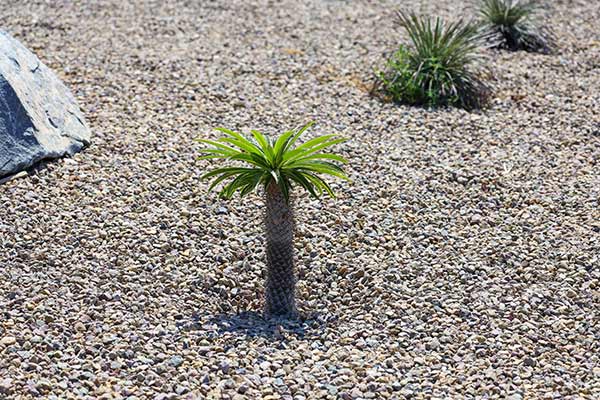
x,y
435,70
277,166
512,22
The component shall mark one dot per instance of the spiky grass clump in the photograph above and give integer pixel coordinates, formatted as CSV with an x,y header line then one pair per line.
x,y
513,23
434,70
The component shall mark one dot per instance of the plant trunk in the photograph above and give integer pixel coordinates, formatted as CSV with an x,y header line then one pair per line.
x,y
280,289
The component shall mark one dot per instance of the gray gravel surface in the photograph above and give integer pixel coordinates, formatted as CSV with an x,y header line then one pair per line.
x,y
463,261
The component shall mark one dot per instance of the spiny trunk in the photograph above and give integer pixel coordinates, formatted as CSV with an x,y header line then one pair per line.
x,y
280,289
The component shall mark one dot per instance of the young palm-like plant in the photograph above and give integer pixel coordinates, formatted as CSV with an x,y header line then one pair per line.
x,y
434,70
277,166
512,22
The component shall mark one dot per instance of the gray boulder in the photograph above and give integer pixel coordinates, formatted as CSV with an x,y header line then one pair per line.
x,y
39,117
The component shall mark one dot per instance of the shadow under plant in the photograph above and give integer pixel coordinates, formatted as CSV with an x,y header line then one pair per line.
x,y
254,324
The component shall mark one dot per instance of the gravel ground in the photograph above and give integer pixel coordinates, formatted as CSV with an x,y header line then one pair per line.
x,y
463,261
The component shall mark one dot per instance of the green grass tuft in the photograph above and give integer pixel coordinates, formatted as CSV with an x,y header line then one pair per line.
x,y
434,70
512,22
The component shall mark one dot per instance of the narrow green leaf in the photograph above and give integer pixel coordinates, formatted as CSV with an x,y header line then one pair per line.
x,y
208,157
298,134
244,145
265,146
219,171
280,145
320,156
291,157
299,178
307,146
216,144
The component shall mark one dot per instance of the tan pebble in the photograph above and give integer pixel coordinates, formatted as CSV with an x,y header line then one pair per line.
x,y
8,340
